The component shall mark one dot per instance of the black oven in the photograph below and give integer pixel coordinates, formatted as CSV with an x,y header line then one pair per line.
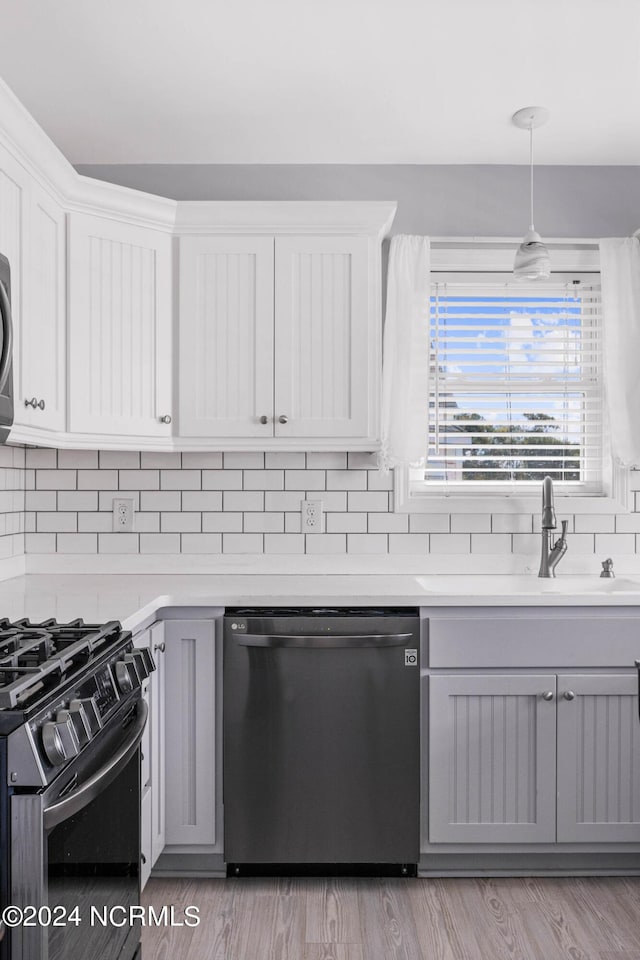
x,y
6,350
72,718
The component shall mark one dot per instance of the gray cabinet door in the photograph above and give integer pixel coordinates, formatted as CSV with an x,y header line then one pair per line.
x,y
492,759
598,758
190,733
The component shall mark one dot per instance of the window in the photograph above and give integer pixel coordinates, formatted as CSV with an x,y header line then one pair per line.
x,y
516,387
515,378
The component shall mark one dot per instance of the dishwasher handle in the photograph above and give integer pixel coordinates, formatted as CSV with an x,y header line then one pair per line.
x,y
325,642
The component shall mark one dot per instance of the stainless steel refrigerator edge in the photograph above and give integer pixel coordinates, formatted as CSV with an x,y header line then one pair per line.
x,y
321,737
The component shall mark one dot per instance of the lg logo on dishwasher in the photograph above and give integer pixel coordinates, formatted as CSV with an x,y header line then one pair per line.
x,y
411,658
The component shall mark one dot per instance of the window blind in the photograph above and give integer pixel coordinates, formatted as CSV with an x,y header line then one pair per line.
x,y
515,381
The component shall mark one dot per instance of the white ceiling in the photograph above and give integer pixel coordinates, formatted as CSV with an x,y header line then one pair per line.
x,y
327,81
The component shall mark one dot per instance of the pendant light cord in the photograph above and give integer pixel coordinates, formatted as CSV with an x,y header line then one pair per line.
x,y
531,172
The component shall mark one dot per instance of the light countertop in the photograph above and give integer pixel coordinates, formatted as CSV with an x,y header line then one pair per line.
x,y
135,598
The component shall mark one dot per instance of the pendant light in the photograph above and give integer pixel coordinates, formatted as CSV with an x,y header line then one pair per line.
x,y
532,260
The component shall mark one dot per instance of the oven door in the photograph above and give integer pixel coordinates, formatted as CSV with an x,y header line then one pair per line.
x,y
75,851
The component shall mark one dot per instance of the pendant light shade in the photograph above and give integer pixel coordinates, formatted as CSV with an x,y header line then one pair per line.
x,y
532,261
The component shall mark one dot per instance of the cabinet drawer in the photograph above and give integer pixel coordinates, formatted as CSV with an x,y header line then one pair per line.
x,y
530,638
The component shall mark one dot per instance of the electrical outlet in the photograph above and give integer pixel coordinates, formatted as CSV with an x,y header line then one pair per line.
x,y
123,515
311,516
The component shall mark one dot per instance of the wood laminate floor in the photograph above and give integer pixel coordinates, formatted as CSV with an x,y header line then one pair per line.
x,y
386,919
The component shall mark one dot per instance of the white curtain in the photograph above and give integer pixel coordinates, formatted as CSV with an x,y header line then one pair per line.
x,y
405,370
620,275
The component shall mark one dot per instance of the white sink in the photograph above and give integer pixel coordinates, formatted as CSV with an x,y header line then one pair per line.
x,y
508,586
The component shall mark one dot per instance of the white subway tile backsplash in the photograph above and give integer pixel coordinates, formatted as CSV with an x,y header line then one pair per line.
x,y
77,543
93,479
264,523
78,459
222,522
160,500
526,543
52,480
243,500
449,543
346,522
120,459
160,460
613,544
284,499
180,523
201,543
511,523
159,543
139,479
283,543
370,501
367,543
346,480
305,479
76,500
242,543
494,543
333,501
326,543
243,461
56,522
38,459
326,461
180,479
42,500
429,523
146,522
285,461
202,460
202,500
409,543
292,523
579,543
388,523
95,522
470,523
40,542
264,480
106,498
376,480
118,543
222,479
593,523
628,523
362,461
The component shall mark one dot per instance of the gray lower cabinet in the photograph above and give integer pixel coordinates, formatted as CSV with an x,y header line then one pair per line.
x,y
191,737
533,758
492,759
598,758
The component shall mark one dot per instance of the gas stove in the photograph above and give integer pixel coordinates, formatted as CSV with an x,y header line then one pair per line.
x,y
59,684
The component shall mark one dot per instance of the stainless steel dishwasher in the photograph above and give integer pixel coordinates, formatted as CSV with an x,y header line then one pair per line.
x,y
321,739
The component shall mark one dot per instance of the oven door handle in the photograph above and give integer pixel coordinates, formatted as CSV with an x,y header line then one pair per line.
x,y
7,347
326,641
74,802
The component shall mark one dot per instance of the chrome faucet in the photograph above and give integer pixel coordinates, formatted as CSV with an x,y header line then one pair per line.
x,y
551,554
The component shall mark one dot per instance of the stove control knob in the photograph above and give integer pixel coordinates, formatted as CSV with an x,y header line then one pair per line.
x,y
85,718
143,661
59,739
126,676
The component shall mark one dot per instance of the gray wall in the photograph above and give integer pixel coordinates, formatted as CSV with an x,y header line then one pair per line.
x,y
482,200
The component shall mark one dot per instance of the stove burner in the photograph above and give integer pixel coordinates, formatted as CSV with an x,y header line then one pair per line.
x,y
37,656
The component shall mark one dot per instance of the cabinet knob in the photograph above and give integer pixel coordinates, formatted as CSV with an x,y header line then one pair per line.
x,y
283,419
160,646
264,419
34,403
569,695
547,695
165,419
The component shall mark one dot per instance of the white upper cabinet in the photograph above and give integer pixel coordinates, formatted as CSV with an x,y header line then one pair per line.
x,y
280,324
326,338
120,327
226,336
40,368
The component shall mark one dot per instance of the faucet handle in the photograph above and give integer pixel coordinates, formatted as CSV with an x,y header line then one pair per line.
x,y
565,524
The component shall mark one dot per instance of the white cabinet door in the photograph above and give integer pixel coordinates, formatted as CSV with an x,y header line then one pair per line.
x,y
598,758
226,336
492,759
120,316
191,733
153,751
41,358
14,186
326,339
